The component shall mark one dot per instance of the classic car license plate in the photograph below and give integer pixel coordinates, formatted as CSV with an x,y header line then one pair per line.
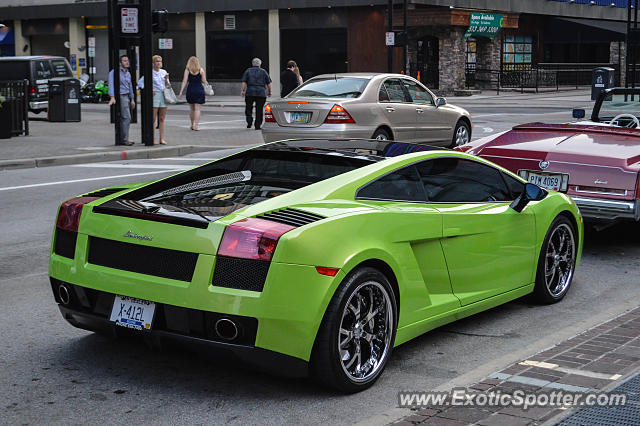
x,y
548,181
299,117
132,313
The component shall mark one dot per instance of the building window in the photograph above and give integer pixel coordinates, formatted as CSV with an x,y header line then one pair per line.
x,y
229,53
517,52
328,55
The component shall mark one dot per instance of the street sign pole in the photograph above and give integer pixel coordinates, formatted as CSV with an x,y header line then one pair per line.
x,y
114,64
146,50
390,29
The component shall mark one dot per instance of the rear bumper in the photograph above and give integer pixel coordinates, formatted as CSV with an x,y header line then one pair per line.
x,y
274,132
265,360
39,105
605,209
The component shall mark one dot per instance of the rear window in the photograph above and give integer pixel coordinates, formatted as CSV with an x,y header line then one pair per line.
x,y
224,186
60,68
42,70
339,87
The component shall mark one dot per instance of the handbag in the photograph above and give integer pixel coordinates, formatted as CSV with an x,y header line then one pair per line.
x,y
208,90
170,96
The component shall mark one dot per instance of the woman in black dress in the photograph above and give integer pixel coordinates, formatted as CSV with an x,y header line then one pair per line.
x,y
195,77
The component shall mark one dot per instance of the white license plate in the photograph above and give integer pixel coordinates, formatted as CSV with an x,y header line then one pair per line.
x,y
132,313
548,181
299,117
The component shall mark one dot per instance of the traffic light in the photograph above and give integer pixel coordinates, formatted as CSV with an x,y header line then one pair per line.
x,y
160,20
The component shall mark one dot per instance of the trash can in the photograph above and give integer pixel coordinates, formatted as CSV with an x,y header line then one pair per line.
x,y
601,78
64,100
56,100
72,100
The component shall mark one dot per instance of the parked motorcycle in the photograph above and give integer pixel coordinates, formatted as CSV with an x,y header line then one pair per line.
x,y
93,92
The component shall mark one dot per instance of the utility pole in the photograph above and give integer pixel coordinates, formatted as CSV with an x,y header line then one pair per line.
x,y
405,47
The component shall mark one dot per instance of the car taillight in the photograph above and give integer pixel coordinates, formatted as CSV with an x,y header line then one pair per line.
x,y
338,115
252,238
268,115
32,90
70,211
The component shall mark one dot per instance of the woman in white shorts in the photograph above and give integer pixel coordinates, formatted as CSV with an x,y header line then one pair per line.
x,y
160,82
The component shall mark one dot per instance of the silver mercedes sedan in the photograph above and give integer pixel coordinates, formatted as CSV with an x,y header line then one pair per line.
x,y
366,105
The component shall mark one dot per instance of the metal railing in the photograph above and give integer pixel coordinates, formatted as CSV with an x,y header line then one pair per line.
x,y
530,76
16,100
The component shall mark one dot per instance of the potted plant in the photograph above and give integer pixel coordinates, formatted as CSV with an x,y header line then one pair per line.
x,y
5,118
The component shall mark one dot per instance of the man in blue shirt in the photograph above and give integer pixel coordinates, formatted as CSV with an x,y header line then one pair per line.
x,y
127,99
256,86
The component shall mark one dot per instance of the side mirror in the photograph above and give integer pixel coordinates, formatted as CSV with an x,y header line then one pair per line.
x,y
531,193
578,113
440,102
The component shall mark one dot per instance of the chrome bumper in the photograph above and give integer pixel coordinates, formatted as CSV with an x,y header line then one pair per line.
x,y
598,208
39,105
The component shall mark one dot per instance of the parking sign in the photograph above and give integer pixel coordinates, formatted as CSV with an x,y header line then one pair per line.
x,y
129,20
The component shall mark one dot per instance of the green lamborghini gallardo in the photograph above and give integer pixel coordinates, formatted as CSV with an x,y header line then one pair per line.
x,y
312,256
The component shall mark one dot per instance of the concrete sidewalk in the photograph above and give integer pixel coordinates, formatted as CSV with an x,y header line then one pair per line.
x,y
92,140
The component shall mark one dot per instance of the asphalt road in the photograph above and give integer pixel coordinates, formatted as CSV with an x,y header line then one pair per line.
x,y
54,373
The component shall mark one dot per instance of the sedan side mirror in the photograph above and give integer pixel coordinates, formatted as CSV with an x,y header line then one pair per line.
x,y
531,193
440,102
578,113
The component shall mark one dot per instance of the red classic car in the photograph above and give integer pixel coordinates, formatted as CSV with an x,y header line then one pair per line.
x,y
595,161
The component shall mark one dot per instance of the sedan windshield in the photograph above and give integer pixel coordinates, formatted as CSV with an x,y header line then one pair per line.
x,y
338,87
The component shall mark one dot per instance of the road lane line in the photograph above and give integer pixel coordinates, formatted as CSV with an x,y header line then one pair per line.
x,y
62,182
133,166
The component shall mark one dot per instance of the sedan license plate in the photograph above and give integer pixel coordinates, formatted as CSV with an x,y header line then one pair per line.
x,y
132,313
299,117
549,181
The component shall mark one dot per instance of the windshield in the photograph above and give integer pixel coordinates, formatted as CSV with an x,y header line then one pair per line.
x,y
621,103
338,87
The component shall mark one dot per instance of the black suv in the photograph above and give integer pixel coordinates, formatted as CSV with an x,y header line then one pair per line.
x,y
38,70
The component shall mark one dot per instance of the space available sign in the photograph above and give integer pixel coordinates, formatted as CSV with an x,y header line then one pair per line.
x,y
484,25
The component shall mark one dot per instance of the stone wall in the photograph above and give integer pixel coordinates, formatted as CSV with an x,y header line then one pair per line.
x,y
452,59
487,62
617,52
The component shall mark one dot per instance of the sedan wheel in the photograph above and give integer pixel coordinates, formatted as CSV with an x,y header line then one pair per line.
x,y
357,333
461,134
557,262
380,135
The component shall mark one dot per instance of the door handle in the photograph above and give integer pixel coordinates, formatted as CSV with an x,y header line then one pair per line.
x,y
390,109
419,110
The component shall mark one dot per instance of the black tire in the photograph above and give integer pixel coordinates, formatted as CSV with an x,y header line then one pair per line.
x,y
557,261
327,364
465,134
381,134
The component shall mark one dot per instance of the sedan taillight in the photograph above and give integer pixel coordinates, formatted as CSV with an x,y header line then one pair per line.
x,y
338,115
32,90
70,211
252,238
268,115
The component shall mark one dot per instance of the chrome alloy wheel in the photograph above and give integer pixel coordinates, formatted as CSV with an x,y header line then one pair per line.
x,y
559,260
462,135
366,328
381,137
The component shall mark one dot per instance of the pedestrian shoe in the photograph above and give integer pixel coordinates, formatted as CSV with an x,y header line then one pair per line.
x,y
258,128
249,126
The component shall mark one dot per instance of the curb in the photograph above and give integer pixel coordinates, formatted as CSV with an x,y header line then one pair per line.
x,y
99,157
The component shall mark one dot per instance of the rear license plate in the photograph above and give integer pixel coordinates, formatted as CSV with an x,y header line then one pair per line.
x,y
132,313
553,181
299,117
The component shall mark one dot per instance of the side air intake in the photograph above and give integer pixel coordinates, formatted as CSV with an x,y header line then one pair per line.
x,y
291,217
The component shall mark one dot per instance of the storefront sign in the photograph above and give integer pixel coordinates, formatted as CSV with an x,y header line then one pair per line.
x,y
484,25
82,62
73,62
129,20
165,43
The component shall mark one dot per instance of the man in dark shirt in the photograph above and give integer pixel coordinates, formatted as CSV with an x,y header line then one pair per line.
x,y
288,79
256,86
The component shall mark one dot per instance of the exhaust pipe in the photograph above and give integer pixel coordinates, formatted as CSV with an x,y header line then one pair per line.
x,y
64,294
226,329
